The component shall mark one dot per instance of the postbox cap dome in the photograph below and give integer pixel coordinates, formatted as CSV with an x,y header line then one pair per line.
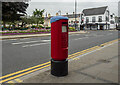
x,y
56,18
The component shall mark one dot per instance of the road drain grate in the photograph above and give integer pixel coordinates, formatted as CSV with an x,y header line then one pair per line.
x,y
104,61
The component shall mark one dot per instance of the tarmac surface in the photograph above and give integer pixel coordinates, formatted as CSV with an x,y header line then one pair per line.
x,y
100,66
19,54
23,58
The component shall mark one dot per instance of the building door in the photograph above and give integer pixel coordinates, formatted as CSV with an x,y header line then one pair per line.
x,y
101,27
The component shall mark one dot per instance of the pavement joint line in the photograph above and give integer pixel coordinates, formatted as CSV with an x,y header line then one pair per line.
x,y
49,62
97,78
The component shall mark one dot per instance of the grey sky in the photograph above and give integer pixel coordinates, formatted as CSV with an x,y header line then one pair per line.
x,y
53,6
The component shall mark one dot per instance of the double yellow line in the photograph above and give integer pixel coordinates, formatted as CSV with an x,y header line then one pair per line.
x,y
23,71
83,52
16,75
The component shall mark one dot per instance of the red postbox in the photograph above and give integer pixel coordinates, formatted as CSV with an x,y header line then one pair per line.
x,y
59,45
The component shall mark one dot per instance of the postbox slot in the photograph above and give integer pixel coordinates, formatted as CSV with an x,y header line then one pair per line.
x,y
64,22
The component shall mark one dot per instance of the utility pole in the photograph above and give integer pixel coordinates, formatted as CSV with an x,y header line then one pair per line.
x,y
75,13
59,12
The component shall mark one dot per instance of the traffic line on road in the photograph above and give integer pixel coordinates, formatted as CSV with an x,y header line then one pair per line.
x,y
83,52
15,81
24,42
24,38
30,42
80,53
15,76
20,75
24,70
46,40
18,80
81,38
10,82
34,45
76,58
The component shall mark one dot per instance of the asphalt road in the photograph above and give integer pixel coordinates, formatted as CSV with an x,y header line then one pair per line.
x,y
18,54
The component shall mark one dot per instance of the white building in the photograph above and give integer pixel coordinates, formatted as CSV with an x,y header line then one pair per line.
x,y
96,18
113,23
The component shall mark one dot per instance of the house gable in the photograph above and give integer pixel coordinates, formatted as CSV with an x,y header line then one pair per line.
x,y
94,11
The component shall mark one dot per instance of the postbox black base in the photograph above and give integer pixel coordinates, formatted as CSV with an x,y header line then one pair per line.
x,y
59,68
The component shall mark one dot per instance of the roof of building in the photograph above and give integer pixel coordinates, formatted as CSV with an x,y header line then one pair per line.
x,y
94,11
72,15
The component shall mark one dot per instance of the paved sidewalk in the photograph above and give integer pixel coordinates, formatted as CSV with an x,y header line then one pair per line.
x,y
100,66
34,35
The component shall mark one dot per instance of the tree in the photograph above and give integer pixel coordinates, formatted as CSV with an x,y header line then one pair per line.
x,y
38,14
11,11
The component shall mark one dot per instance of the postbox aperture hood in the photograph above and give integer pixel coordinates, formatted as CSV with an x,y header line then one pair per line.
x,y
56,18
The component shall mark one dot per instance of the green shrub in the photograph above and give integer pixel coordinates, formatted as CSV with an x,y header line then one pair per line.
x,y
71,29
48,27
40,26
33,26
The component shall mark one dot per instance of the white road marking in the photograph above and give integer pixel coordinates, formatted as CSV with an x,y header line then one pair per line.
x,y
77,34
110,34
34,45
95,35
13,39
46,40
3,40
81,38
24,42
100,35
24,38
86,35
31,42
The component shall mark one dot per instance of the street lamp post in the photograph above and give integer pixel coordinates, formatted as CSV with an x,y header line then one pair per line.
x,y
59,12
75,13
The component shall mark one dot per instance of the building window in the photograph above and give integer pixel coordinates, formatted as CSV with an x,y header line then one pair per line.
x,y
93,19
111,16
112,22
87,19
100,19
107,15
107,19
